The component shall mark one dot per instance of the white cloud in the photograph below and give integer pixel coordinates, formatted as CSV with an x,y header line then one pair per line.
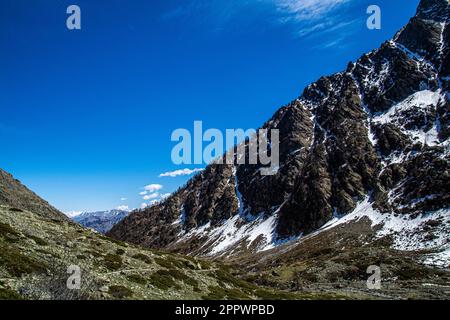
x,y
165,196
181,172
153,187
151,196
143,193
153,202
144,205
123,208
123,199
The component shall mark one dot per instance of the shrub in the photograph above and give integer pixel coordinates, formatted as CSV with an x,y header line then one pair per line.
x,y
18,264
265,294
6,294
6,229
164,263
118,242
162,282
120,292
120,252
137,279
112,261
38,240
218,293
143,258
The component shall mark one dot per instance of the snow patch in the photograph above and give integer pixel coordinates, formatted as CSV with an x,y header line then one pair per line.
x,y
422,100
408,233
233,231
440,259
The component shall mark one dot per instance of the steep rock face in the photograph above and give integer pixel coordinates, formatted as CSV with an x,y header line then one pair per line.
x,y
378,129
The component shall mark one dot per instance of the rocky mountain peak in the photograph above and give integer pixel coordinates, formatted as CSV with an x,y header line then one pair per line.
x,y
376,132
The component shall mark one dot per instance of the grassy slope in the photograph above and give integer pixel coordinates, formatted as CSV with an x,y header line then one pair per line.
x,y
35,252
336,261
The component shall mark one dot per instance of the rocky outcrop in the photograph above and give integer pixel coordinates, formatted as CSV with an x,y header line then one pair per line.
x,y
378,129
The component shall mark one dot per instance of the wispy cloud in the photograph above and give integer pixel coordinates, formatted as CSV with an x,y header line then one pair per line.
x,y
153,187
151,196
318,18
123,208
165,196
304,10
181,172
306,17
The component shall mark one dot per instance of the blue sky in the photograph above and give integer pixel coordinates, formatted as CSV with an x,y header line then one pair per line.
x,y
86,116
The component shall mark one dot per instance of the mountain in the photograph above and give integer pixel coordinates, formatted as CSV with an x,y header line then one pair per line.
x,y
368,143
40,249
13,193
102,221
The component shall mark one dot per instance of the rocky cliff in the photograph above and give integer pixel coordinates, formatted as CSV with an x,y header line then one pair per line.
x,y
376,132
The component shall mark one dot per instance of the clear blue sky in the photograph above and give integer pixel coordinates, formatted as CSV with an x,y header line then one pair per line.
x,y
86,116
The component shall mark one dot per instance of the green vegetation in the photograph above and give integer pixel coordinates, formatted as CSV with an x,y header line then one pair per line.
x,y
137,279
266,294
38,240
218,293
162,281
411,272
120,292
118,242
120,252
112,261
18,264
225,277
164,263
8,233
170,262
180,276
6,229
6,294
143,258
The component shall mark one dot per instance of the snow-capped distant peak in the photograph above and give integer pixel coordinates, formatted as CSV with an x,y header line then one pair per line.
x,y
122,208
73,214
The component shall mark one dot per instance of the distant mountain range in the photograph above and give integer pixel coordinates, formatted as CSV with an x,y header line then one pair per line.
x,y
102,221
